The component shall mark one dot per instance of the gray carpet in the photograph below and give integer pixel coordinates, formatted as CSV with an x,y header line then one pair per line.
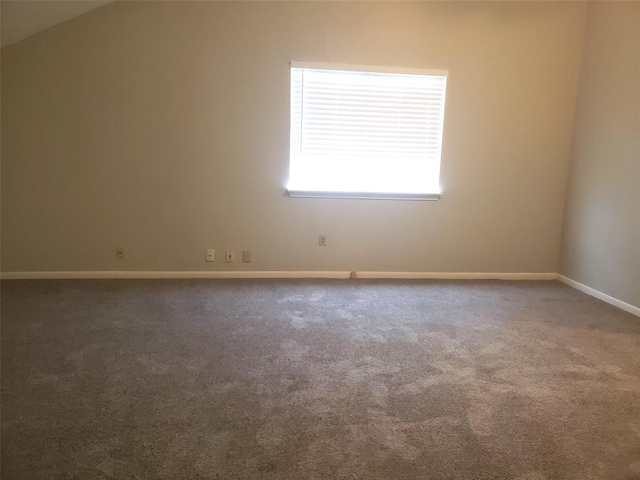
x,y
345,379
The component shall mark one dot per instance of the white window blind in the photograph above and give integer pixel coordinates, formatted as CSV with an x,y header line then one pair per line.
x,y
364,130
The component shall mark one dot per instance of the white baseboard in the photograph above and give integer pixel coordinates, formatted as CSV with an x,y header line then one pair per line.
x,y
627,307
457,275
171,274
277,274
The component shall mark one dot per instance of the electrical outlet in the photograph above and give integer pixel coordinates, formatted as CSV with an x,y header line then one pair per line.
x,y
230,257
322,240
246,256
211,255
120,253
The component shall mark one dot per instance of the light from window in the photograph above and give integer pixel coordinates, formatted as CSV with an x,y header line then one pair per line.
x,y
365,131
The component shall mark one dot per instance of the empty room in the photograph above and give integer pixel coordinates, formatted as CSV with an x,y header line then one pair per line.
x,y
320,240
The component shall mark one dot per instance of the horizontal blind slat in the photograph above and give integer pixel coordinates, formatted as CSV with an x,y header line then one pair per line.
x,y
360,113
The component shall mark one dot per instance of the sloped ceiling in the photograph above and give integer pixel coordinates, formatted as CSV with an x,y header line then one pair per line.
x,y
23,18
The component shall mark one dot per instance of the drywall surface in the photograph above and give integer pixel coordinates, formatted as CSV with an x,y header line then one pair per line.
x,y
164,127
601,245
21,19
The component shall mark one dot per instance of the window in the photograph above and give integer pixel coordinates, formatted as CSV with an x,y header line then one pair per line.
x,y
365,132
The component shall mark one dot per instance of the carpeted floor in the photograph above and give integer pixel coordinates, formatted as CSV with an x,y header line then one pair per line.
x,y
345,379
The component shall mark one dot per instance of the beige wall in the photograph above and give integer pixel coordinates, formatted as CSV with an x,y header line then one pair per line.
x,y
602,232
163,127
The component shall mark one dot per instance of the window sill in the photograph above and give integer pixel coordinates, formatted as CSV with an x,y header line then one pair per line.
x,y
363,195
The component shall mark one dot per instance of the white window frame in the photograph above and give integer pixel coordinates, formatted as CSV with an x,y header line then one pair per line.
x,y
299,186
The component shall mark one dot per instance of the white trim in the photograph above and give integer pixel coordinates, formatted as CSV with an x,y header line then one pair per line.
x,y
172,274
362,195
627,307
276,274
458,275
370,68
